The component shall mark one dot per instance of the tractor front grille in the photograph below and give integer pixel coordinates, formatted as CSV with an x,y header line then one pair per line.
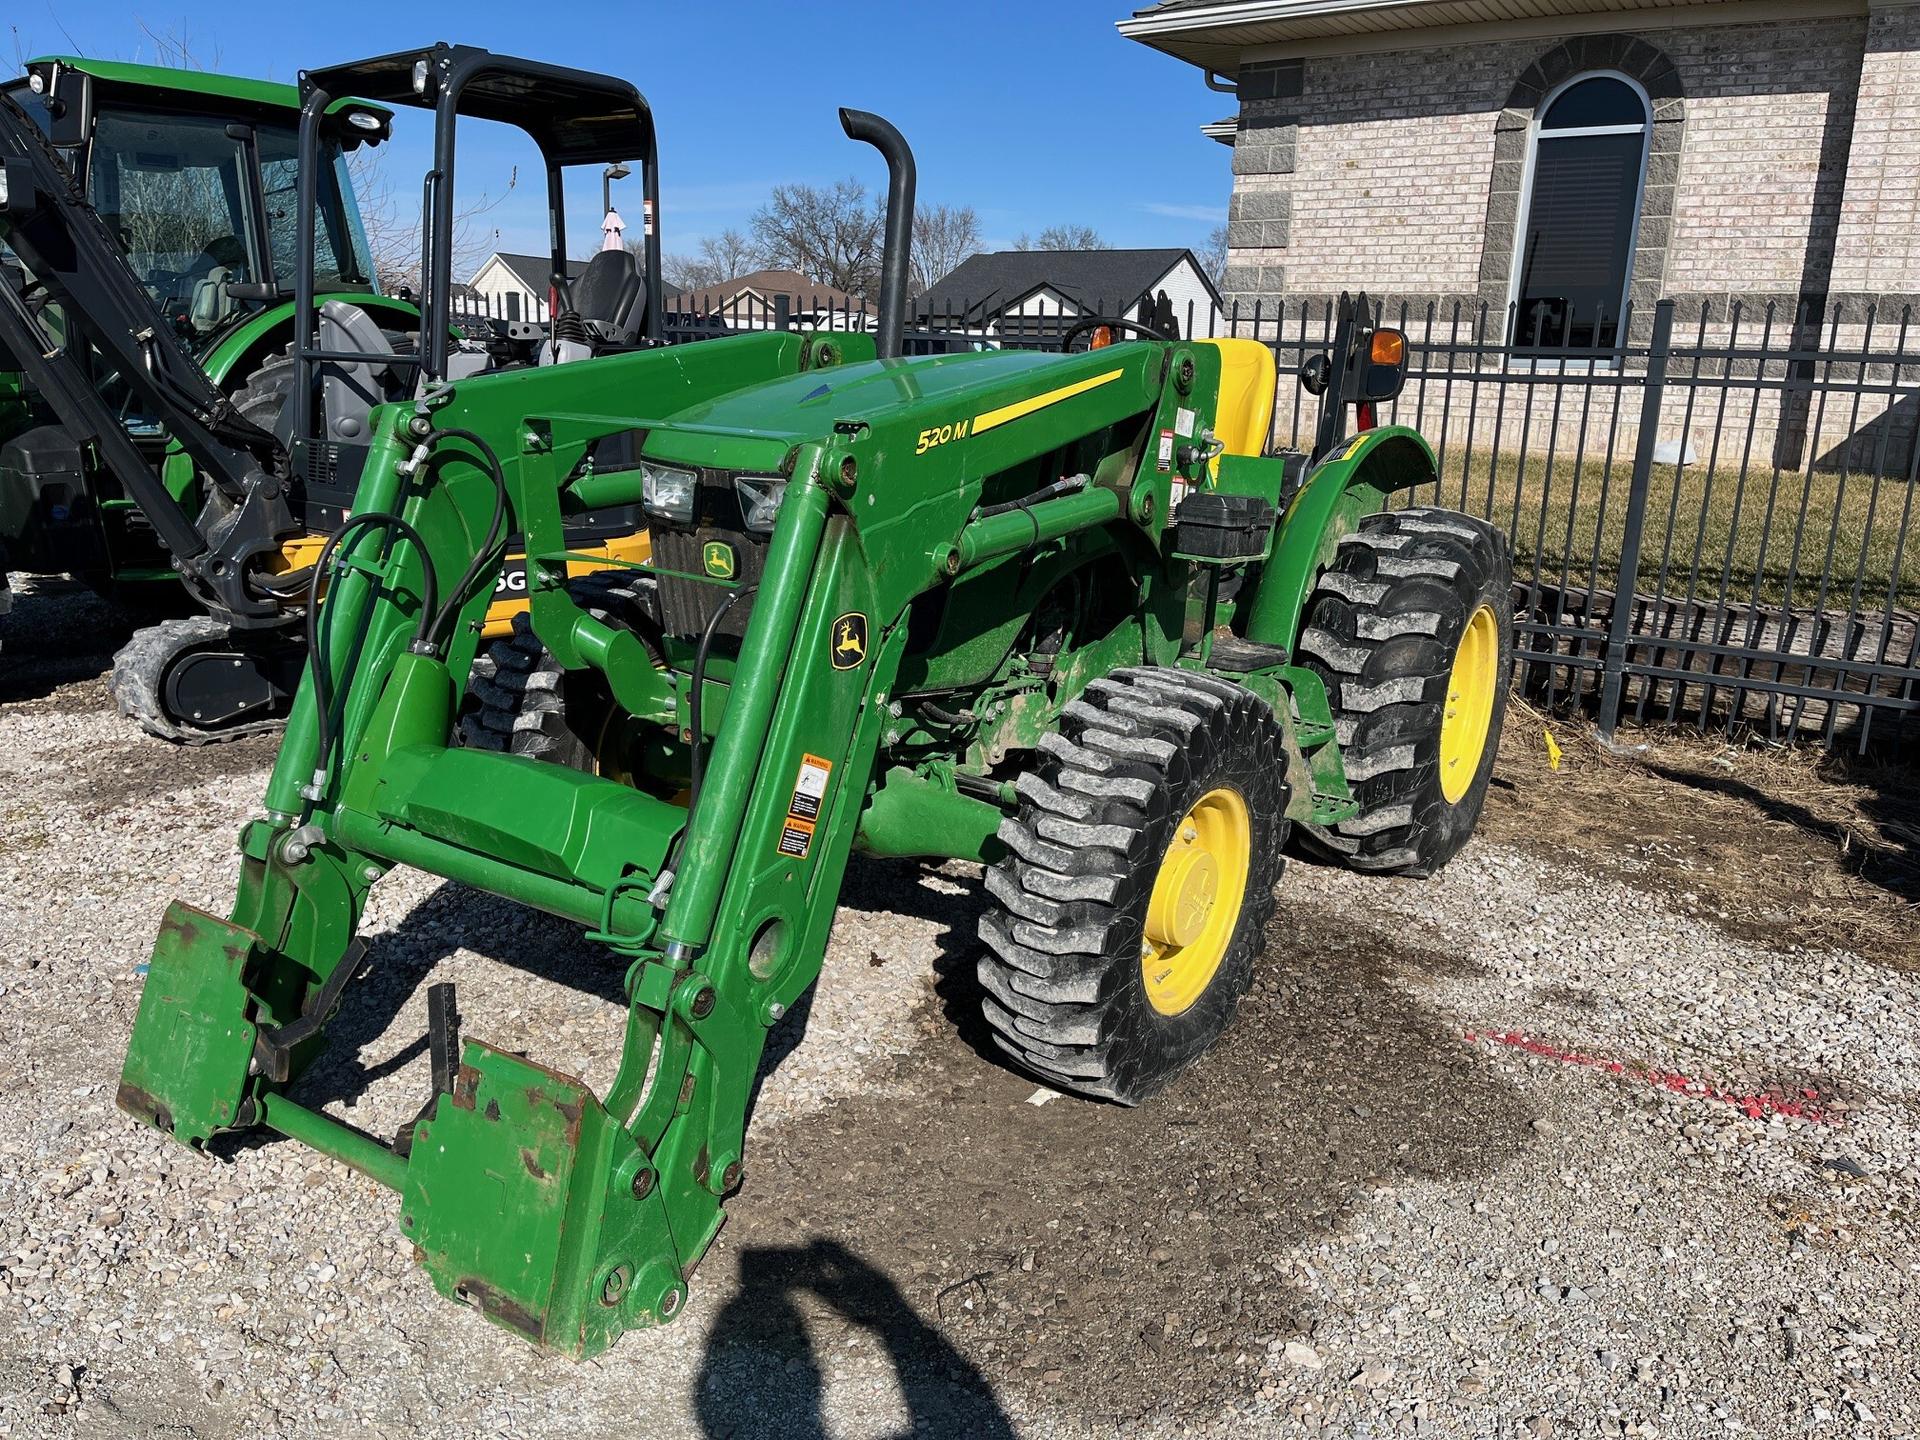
x,y
687,605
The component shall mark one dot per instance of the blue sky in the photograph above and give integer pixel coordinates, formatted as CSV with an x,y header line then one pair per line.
x,y
1034,113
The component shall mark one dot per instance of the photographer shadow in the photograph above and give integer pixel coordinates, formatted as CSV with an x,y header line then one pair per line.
x,y
760,1375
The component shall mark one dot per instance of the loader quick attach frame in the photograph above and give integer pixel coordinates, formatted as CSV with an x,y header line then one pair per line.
x,y
913,491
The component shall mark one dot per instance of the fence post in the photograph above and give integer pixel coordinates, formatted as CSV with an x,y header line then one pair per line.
x,y
1619,636
782,312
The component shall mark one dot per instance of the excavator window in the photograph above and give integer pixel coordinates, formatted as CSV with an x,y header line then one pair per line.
x,y
169,186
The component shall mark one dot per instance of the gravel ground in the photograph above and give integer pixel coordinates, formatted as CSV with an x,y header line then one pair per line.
x,y
1557,1143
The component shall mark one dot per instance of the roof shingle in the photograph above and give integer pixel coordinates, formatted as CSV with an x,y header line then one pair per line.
x,y
987,284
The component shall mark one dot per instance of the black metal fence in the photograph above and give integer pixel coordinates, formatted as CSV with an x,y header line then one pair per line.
x,y
1711,520
1711,516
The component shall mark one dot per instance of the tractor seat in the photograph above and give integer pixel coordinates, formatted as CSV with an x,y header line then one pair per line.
x,y
598,312
1248,383
608,296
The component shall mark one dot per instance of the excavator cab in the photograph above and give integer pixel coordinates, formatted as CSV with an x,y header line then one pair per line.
x,y
202,196
190,177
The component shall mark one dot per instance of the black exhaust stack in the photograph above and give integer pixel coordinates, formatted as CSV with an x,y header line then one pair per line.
x,y
865,125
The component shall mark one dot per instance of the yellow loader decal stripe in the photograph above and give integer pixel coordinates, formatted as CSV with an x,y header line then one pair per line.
x,y
990,418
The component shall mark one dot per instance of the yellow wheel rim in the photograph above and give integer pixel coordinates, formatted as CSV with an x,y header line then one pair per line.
x,y
1196,901
1471,686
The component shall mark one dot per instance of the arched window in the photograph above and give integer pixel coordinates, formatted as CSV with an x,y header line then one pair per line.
x,y
1585,170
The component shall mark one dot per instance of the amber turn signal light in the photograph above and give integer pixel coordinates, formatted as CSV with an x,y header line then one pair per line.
x,y
1389,347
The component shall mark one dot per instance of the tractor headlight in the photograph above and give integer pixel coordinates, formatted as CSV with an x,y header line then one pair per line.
x,y
666,493
760,500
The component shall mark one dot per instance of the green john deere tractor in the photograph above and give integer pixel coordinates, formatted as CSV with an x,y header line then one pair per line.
x,y
156,423
1056,613
190,177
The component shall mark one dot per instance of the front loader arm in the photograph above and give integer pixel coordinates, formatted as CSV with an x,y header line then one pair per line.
x,y
49,223
563,1215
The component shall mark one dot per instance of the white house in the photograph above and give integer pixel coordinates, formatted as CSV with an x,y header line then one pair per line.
x,y
514,287
767,299
1038,294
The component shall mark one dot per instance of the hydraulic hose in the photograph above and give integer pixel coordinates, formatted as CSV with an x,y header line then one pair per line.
x,y
697,747
434,616
316,658
696,755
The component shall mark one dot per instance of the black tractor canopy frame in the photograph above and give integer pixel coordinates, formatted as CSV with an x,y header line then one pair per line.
x,y
576,117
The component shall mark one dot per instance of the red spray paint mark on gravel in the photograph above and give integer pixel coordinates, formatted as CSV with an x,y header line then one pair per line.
x,y
1756,1106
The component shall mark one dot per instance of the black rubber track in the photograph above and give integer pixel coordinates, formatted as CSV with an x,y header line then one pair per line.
x,y
139,674
1381,629
1061,969
520,700
141,665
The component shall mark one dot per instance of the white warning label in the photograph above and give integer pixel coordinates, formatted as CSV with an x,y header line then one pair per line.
x,y
803,811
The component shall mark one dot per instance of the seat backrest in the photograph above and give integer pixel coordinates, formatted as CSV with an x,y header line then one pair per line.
x,y
211,305
1248,388
609,293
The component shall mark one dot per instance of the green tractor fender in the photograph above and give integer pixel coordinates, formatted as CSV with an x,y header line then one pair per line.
x,y
241,348
1351,483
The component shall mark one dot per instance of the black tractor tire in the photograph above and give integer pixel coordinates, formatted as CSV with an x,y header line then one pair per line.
x,y
1386,629
263,395
522,701
1068,939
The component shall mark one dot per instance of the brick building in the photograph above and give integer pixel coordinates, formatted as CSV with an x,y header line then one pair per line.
x,y
1567,157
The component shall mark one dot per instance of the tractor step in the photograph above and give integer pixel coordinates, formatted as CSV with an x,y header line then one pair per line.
x,y
1240,657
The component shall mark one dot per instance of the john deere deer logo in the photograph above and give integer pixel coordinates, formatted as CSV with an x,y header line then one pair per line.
x,y
849,640
717,557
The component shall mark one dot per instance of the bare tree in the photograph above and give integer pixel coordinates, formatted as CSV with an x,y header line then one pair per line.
x,y
393,229
175,49
1213,259
393,240
830,234
722,257
1063,237
942,238
683,272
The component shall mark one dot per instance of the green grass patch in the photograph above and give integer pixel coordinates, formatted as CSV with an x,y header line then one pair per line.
x,y
1575,516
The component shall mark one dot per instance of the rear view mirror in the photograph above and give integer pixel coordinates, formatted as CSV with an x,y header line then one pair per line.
x,y
69,106
1315,371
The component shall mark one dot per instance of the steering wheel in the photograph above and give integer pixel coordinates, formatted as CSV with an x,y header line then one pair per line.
x,y
1094,322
